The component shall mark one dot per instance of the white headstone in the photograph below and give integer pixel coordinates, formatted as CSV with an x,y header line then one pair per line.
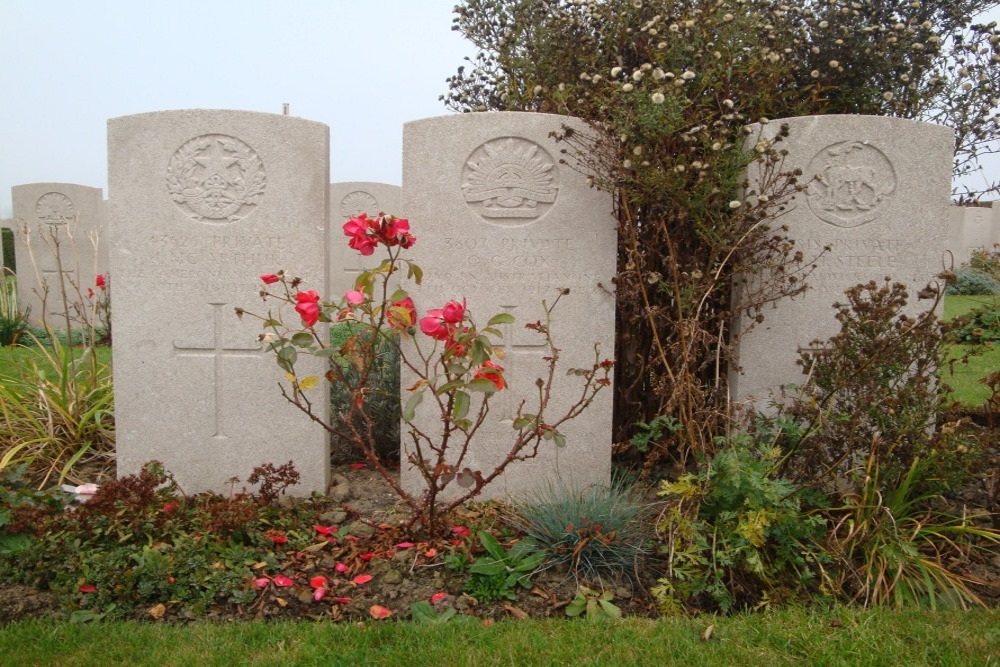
x,y
70,217
500,222
201,203
348,200
977,231
879,196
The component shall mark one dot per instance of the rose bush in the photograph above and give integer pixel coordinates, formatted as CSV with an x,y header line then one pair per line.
x,y
453,358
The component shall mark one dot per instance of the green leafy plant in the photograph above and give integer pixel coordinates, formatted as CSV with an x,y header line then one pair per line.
x,y
981,325
736,534
595,607
598,532
499,572
423,612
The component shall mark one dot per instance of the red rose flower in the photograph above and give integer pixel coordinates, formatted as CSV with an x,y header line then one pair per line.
x,y
100,282
307,306
453,312
362,232
269,278
433,325
492,372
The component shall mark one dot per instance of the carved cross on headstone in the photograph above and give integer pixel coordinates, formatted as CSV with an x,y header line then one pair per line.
x,y
517,363
216,351
51,290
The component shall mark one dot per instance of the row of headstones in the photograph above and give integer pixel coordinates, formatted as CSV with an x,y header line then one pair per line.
x,y
75,217
201,202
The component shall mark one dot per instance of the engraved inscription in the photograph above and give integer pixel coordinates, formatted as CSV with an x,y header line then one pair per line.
x,y
853,184
510,181
215,351
216,178
855,261
55,208
358,202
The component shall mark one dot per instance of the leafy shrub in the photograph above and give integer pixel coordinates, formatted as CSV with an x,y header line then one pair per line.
x,y
987,261
873,385
973,282
981,325
381,400
137,542
598,532
736,534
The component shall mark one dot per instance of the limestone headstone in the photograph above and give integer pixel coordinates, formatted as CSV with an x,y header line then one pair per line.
x,y
500,222
201,203
70,218
977,230
879,195
346,201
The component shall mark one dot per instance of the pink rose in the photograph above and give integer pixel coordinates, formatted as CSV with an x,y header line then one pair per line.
x,y
433,325
354,297
362,231
307,306
453,312
268,278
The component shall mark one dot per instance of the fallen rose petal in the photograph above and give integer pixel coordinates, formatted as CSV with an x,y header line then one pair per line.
x,y
358,466
362,579
342,600
325,530
431,553
261,582
319,594
405,545
283,581
437,597
88,588
367,556
379,612
461,530
340,567
319,581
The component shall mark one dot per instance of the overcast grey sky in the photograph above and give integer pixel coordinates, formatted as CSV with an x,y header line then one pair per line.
x,y
363,67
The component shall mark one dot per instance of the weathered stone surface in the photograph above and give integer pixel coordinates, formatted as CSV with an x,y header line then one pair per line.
x,y
973,228
500,222
71,218
346,201
879,197
201,203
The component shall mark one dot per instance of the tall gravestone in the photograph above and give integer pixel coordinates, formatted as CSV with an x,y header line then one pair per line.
x,y
59,240
201,203
348,200
500,222
879,196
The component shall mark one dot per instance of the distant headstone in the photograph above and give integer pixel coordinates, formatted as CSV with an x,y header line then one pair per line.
x,y
499,221
879,195
201,203
976,230
71,218
348,200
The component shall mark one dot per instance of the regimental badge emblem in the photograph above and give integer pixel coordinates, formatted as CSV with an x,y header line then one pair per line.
x,y
510,181
55,208
355,203
853,185
216,178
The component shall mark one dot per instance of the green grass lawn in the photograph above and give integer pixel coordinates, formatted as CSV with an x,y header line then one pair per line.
x,y
964,378
15,359
791,637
